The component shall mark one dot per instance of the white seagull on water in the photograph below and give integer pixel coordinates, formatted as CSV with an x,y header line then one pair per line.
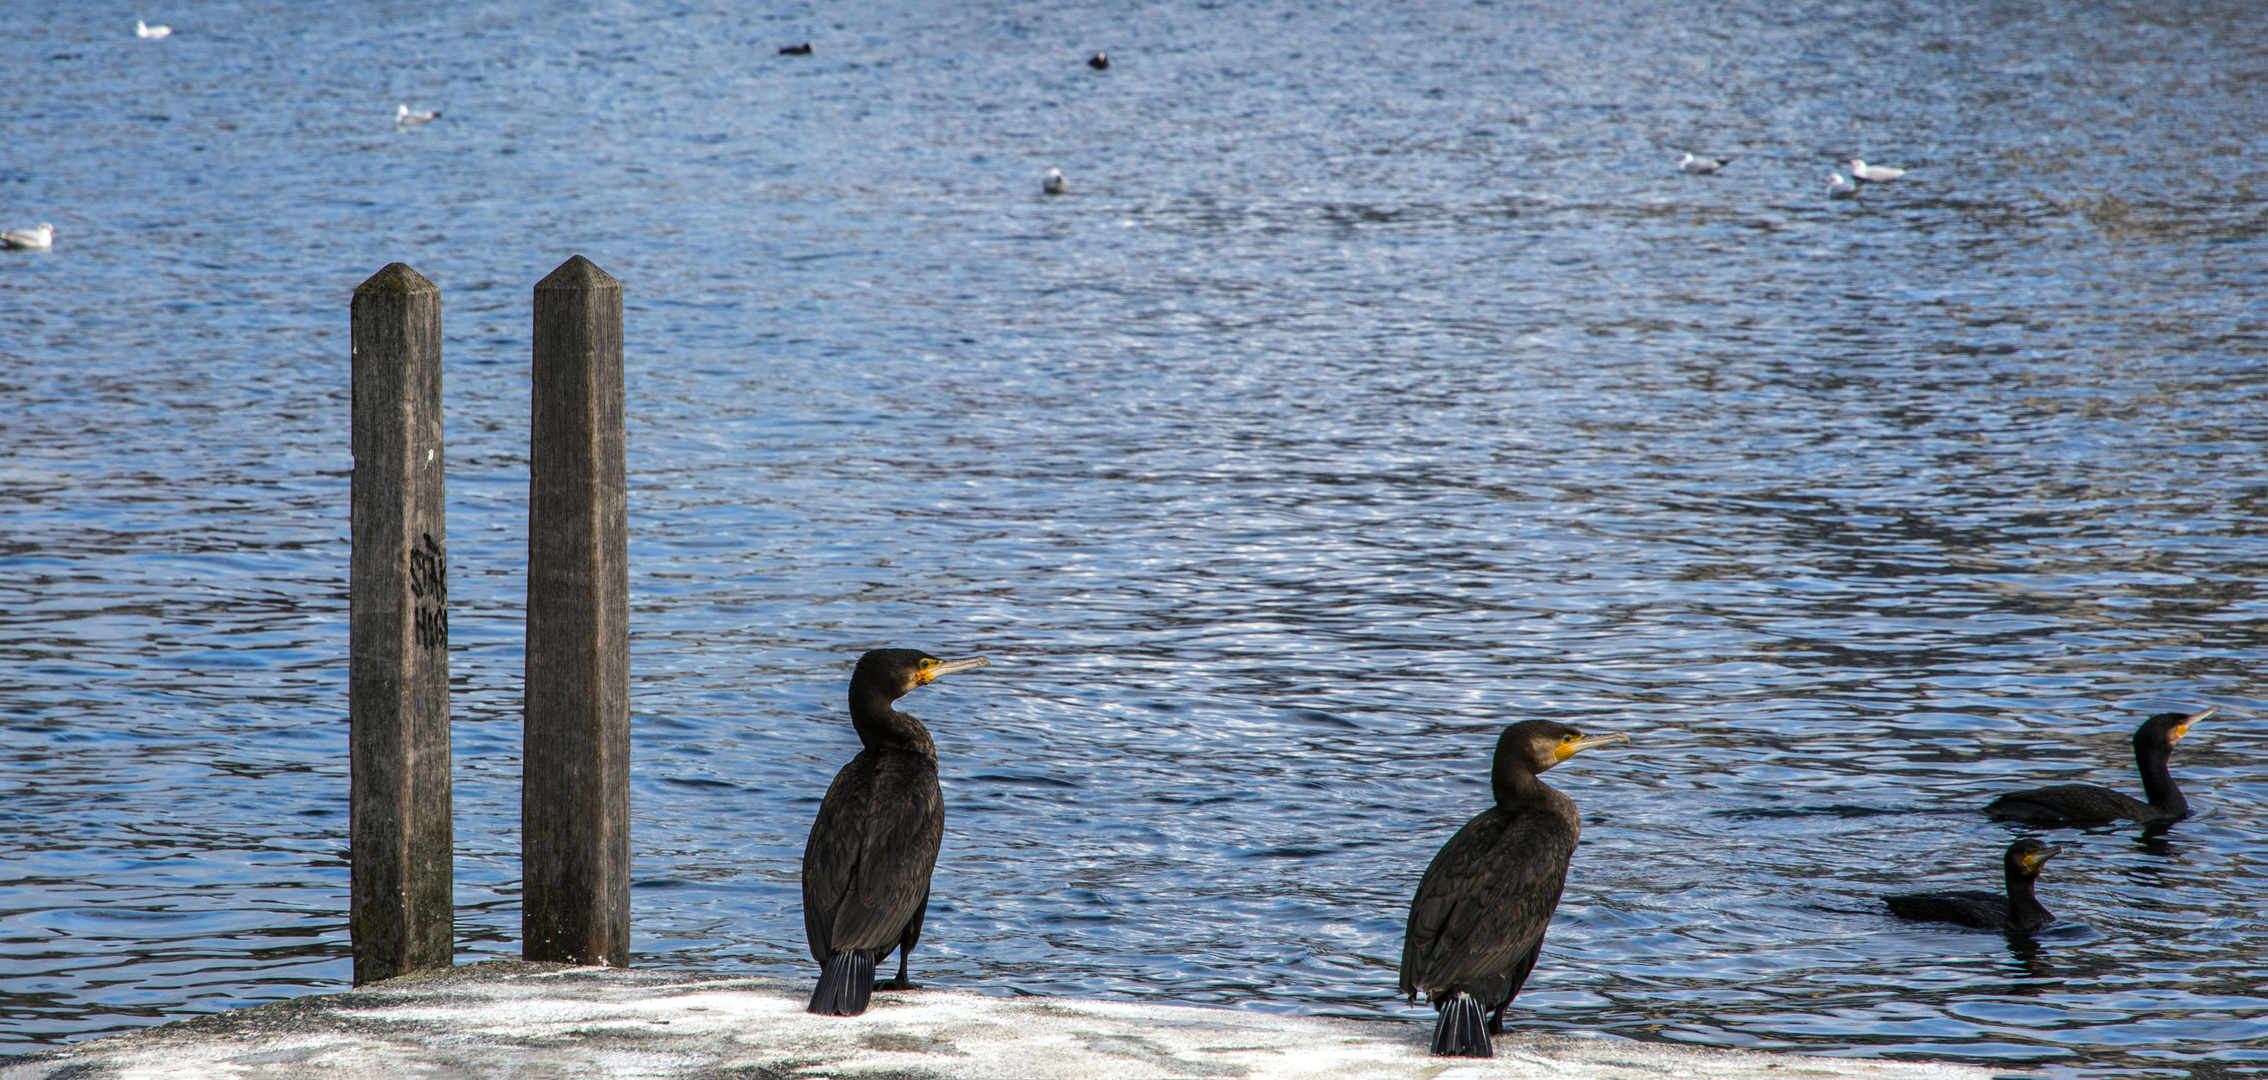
x,y
406,118
1839,188
1702,165
1055,184
39,239
145,30
1873,174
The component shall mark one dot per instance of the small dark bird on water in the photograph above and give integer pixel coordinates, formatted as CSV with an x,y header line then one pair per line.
x,y
1477,922
2086,804
1099,62
797,50
2017,911
866,866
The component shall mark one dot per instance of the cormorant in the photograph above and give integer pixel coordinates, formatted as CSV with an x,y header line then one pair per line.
x,y
2086,804
2018,911
866,867
797,50
1477,922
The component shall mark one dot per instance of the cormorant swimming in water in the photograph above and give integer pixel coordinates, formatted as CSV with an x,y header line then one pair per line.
x,y
2086,804
866,867
1477,922
2019,910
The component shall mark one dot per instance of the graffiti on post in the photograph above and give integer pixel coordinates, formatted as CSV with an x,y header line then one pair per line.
x,y
429,586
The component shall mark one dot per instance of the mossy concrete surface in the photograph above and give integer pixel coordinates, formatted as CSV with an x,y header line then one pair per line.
x,y
545,1020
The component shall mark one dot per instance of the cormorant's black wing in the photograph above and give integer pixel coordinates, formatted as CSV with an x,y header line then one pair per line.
x,y
1517,978
2070,802
1984,910
1486,900
867,865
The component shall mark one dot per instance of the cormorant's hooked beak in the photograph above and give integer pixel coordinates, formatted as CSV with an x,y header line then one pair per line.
x,y
2182,728
2033,860
931,672
1575,746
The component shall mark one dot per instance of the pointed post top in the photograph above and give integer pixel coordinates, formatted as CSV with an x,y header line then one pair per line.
x,y
396,278
578,273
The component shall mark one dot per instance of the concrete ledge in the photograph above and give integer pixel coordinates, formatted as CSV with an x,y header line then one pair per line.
x,y
543,1020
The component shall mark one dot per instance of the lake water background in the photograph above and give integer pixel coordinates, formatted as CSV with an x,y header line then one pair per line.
x,y
1379,383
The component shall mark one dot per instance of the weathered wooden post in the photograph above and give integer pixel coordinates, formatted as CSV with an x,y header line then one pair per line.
x,y
575,787
400,838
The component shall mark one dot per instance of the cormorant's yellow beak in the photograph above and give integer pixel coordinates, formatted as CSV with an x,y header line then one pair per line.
x,y
933,670
2182,728
1576,744
2033,860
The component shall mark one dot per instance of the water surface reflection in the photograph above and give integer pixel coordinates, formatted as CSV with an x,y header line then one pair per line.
x,y
1380,383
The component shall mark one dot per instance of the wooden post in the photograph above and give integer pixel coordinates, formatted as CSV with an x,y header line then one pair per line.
x,y
575,784
400,839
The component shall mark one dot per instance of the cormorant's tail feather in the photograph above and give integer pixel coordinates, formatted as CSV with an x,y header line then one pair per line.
x,y
844,985
1462,1029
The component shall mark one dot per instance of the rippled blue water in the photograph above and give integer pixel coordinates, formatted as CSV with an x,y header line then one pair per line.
x,y
1379,383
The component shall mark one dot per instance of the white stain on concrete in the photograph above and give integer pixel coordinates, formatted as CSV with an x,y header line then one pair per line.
x,y
526,1020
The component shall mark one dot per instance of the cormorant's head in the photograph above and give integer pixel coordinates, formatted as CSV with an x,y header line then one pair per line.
x,y
1541,744
2162,731
893,672
2026,856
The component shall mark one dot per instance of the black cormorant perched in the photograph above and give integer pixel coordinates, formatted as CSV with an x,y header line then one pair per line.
x,y
2086,804
866,867
1477,922
2019,910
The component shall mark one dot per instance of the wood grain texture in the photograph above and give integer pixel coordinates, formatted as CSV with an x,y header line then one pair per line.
x,y
575,787
400,836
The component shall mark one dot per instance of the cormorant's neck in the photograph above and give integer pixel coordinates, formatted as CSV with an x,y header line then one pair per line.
x,y
880,726
1513,783
2157,780
2024,909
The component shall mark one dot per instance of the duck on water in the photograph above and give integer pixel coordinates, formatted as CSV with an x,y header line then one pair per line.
x,y
1477,923
2087,804
866,866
